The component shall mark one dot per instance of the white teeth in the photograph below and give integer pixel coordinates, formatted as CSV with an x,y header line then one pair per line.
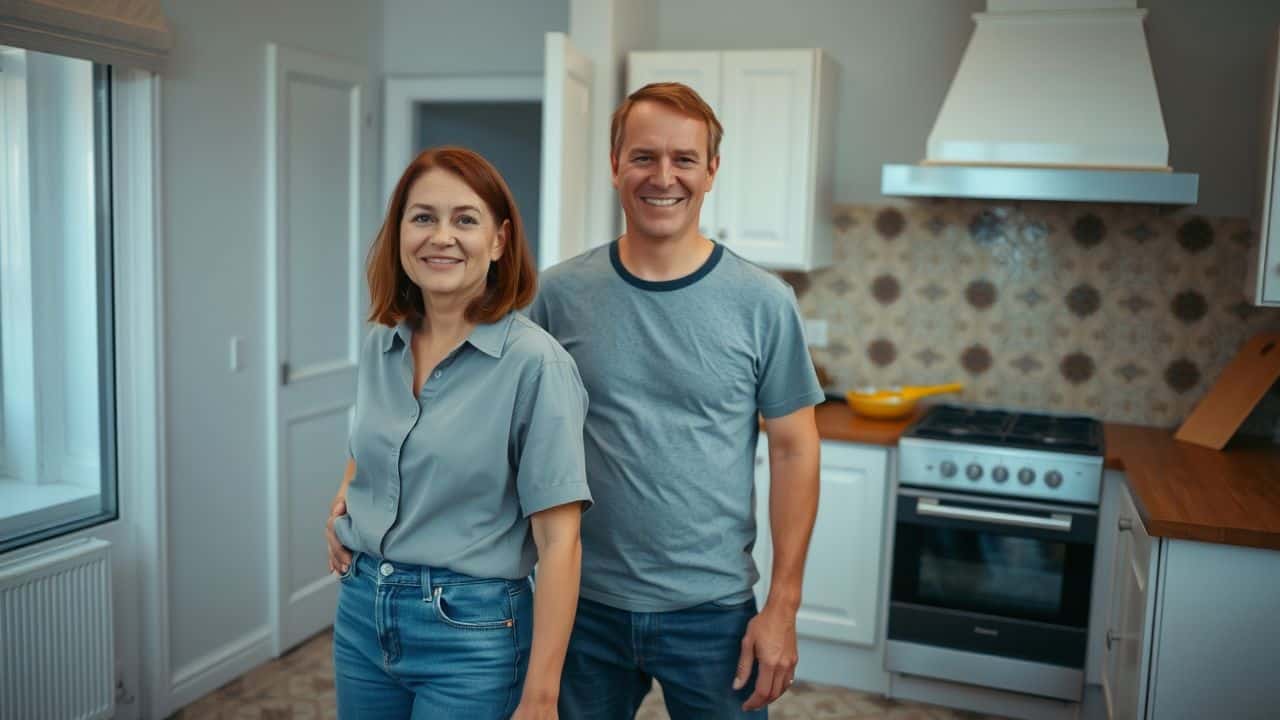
x,y
443,261
662,202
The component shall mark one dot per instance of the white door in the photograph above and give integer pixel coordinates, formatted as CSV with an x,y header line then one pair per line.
x,y
315,106
566,127
700,71
842,575
768,100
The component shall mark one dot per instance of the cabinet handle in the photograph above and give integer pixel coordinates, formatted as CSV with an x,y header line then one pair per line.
x,y
1112,638
759,461
1125,524
722,234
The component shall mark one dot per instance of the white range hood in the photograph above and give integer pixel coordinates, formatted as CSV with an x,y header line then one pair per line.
x,y
1053,100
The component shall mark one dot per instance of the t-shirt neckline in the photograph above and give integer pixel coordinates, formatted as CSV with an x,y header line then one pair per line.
x,y
615,257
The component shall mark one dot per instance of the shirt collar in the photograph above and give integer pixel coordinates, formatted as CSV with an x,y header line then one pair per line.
x,y
489,338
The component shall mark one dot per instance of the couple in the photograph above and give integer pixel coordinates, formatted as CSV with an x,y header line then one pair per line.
x,y
642,368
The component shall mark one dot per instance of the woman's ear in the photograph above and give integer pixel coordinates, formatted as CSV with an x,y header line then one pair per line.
x,y
500,240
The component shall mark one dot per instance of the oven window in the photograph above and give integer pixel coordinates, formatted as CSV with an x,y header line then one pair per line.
x,y
990,573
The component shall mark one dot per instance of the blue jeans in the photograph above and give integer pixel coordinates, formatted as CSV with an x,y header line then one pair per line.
x,y
614,656
418,642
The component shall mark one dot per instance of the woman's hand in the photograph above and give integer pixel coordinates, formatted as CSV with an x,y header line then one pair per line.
x,y
339,556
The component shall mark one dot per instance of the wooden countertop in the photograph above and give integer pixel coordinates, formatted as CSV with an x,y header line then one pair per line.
x,y
1188,492
837,422
1182,491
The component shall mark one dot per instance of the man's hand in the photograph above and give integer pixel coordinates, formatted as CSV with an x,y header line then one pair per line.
x,y
770,640
339,556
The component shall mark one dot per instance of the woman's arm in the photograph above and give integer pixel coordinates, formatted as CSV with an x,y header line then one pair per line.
x,y
339,556
555,601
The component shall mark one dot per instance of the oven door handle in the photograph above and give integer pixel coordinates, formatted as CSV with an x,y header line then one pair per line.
x,y
934,507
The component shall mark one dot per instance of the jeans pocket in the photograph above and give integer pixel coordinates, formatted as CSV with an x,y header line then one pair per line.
x,y
474,606
351,568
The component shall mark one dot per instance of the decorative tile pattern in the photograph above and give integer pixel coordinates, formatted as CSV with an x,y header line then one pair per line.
x,y
299,686
1125,312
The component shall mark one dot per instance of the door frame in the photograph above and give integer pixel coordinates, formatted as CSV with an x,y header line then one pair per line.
x,y
403,93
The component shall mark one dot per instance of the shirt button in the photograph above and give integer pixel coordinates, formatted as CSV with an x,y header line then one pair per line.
x,y
439,373
386,569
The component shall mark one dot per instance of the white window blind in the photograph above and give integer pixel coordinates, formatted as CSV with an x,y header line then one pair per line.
x,y
129,33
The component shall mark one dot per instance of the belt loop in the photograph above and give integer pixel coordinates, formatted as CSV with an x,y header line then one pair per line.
x,y
355,567
426,584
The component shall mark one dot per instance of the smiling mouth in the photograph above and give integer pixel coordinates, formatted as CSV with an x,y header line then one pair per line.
x,y
441,261
662,202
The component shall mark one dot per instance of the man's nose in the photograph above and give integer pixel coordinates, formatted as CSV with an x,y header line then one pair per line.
x,y
663,174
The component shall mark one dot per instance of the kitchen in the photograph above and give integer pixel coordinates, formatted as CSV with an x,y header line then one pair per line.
x,y
1126,313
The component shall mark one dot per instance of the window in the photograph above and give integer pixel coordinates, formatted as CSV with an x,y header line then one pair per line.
x,y
57,424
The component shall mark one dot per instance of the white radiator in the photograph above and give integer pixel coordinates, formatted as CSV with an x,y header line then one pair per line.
x,y
56,654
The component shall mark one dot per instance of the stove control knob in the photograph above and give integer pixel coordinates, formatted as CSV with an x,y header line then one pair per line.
x,y
1000,474
948,469
1026,476
973,471
1053,479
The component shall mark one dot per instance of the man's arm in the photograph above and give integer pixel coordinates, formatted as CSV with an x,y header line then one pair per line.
x,y
770,639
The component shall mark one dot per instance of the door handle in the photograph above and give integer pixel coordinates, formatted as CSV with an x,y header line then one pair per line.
x,y
1125,524
1112,638
932,506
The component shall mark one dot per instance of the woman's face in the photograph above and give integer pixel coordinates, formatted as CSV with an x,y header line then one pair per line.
x,y
448,238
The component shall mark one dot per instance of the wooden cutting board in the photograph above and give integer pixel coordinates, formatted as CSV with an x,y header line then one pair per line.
x,y
1238,389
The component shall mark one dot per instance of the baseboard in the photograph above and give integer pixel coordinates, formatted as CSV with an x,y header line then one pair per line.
x,y
215,669
973,698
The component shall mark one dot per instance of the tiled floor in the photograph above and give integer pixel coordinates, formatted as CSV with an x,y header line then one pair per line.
x,y
299,686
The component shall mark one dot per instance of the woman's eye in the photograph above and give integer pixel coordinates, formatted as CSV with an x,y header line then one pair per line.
x,y
421,218
467,220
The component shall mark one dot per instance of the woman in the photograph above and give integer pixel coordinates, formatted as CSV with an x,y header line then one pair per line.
x,y
465,466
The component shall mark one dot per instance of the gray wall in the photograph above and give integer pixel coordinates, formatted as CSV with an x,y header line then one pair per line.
x,y
213,227
468,37
509,135
897,59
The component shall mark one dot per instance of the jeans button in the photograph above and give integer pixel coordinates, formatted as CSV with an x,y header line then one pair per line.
x,y
386,569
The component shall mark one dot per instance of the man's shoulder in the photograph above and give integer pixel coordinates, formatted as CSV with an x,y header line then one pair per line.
x,y
754,282
582,267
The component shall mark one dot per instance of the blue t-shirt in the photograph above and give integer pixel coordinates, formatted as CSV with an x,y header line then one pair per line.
x,y
678,373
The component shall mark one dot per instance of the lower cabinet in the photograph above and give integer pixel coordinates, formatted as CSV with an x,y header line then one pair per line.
x,y
1191,628
842,573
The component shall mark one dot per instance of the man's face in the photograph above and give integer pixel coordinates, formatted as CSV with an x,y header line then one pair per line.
x,y
662,172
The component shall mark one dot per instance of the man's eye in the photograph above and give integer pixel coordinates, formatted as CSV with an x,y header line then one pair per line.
x,y
687,161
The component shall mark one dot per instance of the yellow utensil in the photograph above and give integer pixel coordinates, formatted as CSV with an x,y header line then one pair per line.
x,y
890,404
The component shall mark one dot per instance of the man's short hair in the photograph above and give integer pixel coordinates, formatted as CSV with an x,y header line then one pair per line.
x,y
678,96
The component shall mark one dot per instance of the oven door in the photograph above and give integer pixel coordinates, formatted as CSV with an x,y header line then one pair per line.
x,y
984,578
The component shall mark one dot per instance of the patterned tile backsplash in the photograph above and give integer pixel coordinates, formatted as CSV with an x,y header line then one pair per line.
x,y
1126,313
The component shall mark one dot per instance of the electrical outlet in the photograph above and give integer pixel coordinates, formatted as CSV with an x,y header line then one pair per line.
x,y
815,332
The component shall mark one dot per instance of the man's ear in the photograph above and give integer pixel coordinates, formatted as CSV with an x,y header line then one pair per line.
x,y
613,170
713,167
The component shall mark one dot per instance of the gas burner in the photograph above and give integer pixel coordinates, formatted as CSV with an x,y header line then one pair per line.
x,y
1003,428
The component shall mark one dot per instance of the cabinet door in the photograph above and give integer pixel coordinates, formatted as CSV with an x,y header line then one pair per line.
x,y
841,579
763,550
1264,272
698,70
766,176
1128,640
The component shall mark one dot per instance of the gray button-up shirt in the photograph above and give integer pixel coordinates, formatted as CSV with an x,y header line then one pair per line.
x,y
449,478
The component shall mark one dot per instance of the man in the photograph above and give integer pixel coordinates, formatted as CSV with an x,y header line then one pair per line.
x,y
682,345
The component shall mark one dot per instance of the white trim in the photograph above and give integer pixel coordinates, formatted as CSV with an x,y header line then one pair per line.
x,y
403,93
215,669
139,319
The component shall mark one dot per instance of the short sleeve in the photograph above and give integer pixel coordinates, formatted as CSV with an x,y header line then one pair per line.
x,y
548,452
787,379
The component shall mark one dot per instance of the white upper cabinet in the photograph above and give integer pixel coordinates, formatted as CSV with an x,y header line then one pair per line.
x,y
1263,282
772,202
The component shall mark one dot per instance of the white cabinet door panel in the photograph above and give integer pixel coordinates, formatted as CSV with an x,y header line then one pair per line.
x,y
765,170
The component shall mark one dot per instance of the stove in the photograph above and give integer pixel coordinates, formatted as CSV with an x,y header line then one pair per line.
x,y
1002,452
994,538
